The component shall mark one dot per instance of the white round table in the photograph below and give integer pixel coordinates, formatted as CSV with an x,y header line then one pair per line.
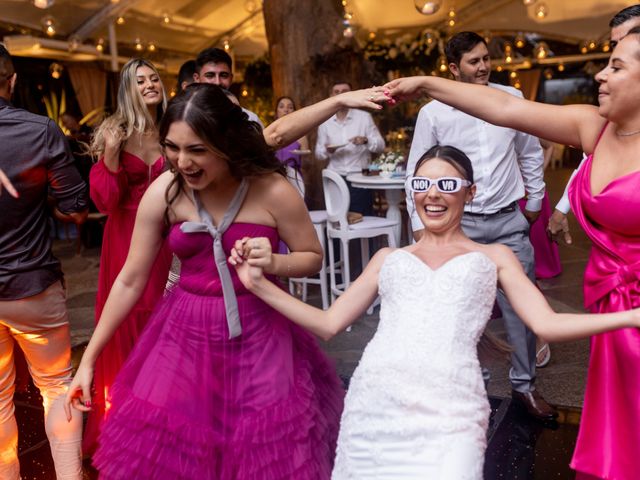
x,y
392,187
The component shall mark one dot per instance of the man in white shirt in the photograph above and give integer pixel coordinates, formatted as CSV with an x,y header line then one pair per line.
x,y
506,163
620,24
213,65
347,140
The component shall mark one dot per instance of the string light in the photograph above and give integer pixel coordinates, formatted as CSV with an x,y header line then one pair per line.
x,y
519,41
151,47
166,19
508,53
55,70
452,18
442,64
49,25
139,46
226,45
120,20
542,11
606,47
100,45
561,67
245,92
347,16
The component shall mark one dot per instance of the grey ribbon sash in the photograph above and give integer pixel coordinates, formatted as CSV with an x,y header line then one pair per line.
x,y
206,225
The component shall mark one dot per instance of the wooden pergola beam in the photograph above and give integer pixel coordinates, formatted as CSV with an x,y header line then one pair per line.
x,y
103,15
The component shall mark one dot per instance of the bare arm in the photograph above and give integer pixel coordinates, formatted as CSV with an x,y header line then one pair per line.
x,y
127,288
576,125
533,308
323,323
295,229
296,124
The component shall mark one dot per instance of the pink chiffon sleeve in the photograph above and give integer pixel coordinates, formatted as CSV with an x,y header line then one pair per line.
x,y
106,187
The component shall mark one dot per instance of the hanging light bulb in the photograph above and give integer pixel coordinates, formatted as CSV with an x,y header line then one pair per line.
x,y
542,11
452,18
372,35
348,32
151,47
519,41
606,47
427,7
442,64
166,19
561,67
49,25
43,3
548,73
508,53
513,74
584,47
541,50
120,20
100,45
226,45
139,46
499,68
55,70
74,43
591,45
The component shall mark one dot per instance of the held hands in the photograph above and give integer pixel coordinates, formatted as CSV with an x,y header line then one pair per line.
x,y
79,392
408,88
368,98
558,227
251,257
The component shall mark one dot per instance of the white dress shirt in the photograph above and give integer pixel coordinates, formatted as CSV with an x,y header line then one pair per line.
x,y
505,161
563,204
349,158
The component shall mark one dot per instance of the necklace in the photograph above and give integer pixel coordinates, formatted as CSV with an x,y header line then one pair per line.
x,y
627,134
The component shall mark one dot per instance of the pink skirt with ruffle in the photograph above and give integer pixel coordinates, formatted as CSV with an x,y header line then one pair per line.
x,y
192,404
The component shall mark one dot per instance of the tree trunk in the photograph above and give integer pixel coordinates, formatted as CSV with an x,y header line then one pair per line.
x,y
308,52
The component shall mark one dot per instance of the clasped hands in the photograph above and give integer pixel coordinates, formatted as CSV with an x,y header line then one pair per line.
x,y
251,257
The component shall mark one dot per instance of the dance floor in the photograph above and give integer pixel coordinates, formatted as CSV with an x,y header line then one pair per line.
x,y
519,447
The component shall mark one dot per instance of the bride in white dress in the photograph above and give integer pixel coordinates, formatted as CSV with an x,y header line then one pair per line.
x,y
416,406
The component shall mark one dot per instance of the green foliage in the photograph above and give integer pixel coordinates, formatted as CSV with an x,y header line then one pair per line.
x,y
258,87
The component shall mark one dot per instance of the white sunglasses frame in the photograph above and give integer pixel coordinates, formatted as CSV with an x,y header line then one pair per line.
x,y
461,182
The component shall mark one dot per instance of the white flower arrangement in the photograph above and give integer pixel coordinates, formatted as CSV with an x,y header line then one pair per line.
x,y
388,161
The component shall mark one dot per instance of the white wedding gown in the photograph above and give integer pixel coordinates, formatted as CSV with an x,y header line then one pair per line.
x,y
416,406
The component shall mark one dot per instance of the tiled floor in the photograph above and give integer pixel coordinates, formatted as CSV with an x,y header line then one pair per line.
x,y
519,448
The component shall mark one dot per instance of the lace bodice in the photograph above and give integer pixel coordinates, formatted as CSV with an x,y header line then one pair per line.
x,y
419,378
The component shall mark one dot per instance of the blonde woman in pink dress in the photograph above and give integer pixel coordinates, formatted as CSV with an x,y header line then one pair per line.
x,y
129,160
604,196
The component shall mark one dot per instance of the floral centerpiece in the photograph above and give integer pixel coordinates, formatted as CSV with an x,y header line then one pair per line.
x,y
388,162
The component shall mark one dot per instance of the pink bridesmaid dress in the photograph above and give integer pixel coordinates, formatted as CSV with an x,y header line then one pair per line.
x,y
545,251
608,444
118,194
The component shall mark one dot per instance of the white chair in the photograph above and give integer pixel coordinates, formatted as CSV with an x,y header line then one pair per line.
x,y
319,220
337,200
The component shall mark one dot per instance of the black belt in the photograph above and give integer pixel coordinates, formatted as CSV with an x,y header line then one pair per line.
x,y
508,209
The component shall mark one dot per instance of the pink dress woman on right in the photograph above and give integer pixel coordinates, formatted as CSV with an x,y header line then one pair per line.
x,y
608,444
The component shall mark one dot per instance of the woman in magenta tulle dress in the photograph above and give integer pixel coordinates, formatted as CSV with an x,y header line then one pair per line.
x,y
604,196
219,386
129,160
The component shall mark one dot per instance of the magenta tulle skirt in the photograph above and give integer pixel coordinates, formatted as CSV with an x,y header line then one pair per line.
x,y
192,404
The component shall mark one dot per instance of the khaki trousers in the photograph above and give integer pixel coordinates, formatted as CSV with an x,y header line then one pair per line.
x,y
40,327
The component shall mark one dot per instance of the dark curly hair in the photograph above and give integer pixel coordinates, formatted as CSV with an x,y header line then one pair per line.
x,y
223,126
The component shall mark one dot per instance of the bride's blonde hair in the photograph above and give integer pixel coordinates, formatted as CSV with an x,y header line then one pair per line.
x,y
131,115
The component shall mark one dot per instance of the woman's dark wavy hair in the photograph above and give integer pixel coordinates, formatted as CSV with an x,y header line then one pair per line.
x,y
221,124
452,155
